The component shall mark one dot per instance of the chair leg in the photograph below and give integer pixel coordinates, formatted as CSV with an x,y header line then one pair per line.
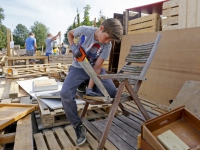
x,y
124,111
136,99
111,116
84,110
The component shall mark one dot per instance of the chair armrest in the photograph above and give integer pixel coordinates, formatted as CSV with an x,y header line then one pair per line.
x,y
121,76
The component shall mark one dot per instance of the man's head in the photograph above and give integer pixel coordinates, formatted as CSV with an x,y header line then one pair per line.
x,y
49,35
31,34
111,30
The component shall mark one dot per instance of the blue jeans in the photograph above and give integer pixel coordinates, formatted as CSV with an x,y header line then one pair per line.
x,y
68,92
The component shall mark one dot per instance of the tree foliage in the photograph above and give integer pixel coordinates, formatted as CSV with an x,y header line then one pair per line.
x,y
86,18
2,16
40,31
65,35
20,34
101,18
3,38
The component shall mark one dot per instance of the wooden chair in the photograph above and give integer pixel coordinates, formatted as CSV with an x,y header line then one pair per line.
x,y
132,73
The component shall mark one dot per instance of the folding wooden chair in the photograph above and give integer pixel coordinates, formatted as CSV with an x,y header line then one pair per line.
x,y
132,73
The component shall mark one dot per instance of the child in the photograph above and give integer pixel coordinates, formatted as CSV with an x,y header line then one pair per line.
x,y
97,45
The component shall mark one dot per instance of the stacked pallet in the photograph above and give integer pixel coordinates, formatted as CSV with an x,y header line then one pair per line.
x,y
150,23
34,70
64,59
179,14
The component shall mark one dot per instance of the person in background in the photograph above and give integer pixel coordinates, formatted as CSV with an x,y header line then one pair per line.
x,y
48,43
62,49
31,46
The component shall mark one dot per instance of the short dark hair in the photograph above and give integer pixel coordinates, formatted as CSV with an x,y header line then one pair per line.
x,y
114,28
31,33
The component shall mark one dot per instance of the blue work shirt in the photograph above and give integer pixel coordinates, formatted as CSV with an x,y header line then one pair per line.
x,y
30,42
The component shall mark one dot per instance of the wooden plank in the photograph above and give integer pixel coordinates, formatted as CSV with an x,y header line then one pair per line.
x,y
171,12
23,138
72,134
143,19
14,90
64,140
191,13
143,25
170,141
170,4
170,20
117,141
188,96
7,138
51,140
151,29
182,23
198,13
40,143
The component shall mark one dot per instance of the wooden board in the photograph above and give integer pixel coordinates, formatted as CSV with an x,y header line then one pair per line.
x,y
175,62
9,113
189,96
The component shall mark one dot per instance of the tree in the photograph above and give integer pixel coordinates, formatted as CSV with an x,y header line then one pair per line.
x,y
86,18
65,35
2,16
20,34
78,19
40,31
101,18
3,38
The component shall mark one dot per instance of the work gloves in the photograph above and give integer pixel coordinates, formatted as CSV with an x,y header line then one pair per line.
x,y
89,92
75,50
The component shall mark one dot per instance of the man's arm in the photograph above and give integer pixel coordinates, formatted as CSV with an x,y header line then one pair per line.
x,y
35,45
55,37
97,69
70,37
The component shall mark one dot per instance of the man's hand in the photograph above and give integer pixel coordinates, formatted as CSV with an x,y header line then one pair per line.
x,y
89,92
75,51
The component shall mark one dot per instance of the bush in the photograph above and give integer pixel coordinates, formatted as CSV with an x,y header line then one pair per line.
x,y
2,47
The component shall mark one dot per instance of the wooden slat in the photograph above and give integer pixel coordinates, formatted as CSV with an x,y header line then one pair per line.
x,y
72,134
23,138
170,141
151,29
170,4
66,144
143,19
182,23
142,25
171,12
191,13
171,27
40,143
7,138
14,90
51,140
198,13
170,20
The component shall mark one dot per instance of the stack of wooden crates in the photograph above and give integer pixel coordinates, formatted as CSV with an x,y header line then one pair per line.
x,y
179,14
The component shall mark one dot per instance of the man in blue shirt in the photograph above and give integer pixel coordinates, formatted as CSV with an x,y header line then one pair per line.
x,y
30,45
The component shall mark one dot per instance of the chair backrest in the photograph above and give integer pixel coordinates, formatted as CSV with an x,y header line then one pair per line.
x,y
139,60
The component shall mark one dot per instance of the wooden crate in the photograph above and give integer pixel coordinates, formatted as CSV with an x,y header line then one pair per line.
x,y
150,23
47,118
170,15
65,139
180,121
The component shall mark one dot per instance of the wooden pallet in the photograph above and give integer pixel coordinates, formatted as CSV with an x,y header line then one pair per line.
x,y
47,118
171,15
150,23
34,70
65,139
64,59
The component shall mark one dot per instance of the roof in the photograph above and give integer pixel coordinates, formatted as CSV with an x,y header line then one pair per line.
x,y
148,6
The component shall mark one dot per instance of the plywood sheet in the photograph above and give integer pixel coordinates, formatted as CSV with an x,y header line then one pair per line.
x,y
10,113
175,62
189,95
